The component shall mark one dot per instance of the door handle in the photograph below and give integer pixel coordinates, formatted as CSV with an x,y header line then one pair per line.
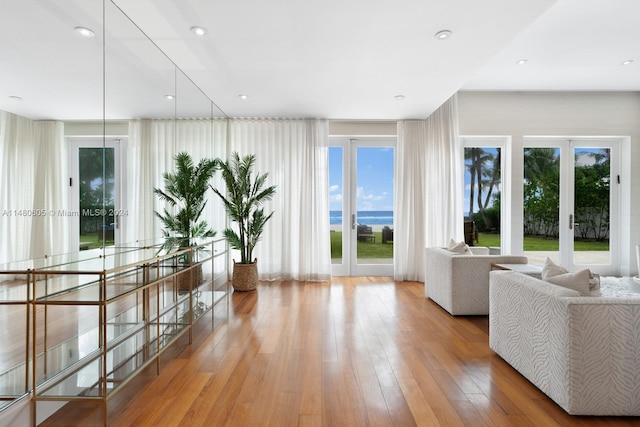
x,y
570,221
353,221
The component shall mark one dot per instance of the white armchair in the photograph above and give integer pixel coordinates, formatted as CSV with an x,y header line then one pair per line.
x,y
459,283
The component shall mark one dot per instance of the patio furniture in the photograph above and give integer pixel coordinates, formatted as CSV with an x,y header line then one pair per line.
x,y
365,234
387,234
470,232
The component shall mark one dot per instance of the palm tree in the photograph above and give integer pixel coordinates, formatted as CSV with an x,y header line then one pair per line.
x,y
484,169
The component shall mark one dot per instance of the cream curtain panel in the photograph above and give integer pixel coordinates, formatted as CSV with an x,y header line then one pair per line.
x,y
296,243
428,187
33,173
153,145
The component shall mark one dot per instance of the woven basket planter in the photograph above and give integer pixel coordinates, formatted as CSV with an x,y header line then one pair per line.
x,y
245,276
183,279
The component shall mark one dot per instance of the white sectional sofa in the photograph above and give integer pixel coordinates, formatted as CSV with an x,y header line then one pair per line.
x,y
459,283
581,351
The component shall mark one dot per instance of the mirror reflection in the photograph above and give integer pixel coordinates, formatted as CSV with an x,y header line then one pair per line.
x,y
92,114
89,121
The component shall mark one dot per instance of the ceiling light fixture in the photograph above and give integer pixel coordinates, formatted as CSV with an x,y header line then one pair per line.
x,y
170,97
521,61
243,96
399,97
626,62
84,32
443,34
199,31
15,98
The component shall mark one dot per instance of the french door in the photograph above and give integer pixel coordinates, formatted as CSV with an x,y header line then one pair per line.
x,y
361,206
94,196
571,200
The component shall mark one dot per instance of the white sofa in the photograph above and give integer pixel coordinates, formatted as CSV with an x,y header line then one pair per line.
x,y
459,283
581,351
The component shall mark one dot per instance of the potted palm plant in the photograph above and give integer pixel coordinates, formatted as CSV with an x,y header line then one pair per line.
x,y
184,191
245,194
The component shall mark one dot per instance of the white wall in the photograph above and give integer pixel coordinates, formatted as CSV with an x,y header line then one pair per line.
x,y
362,128
520,114
90,128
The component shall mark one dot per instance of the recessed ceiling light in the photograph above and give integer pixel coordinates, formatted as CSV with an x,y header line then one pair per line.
x,y
521,61
443,34
199,31
84,32
243,96
627,62
398,97
170,97
15,98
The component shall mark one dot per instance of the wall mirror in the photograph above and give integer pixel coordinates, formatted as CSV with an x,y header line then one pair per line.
x,y
91,114
87,72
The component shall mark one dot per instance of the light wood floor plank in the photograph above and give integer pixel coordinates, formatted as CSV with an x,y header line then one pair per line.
x,y
353,352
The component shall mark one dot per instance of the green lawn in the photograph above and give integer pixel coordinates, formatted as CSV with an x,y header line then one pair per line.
x,y
541,244
94,241
365,249
379,250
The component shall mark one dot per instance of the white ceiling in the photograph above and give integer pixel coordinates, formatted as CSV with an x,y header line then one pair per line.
x,y
337,59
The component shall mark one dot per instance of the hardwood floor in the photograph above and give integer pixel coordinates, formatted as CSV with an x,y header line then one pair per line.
x,y
354,352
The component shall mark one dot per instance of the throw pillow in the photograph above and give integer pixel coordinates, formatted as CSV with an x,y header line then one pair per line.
x,y
551,269
458,247
578,281
594,282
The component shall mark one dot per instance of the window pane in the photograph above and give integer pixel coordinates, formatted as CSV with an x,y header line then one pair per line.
x,y
335,202
374,201
482,186
97,196
591,207
541,204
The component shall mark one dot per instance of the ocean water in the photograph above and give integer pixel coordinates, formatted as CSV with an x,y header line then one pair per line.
x,y
364,217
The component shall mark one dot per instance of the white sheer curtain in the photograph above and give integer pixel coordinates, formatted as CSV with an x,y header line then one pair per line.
x,y
50,234
33,174
153,145
429,188
295,244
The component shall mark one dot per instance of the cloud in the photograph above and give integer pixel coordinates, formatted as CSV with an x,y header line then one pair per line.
x,y
334,188
368,200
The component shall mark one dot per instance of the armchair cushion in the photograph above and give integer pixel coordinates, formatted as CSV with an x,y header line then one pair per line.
x,y
458,247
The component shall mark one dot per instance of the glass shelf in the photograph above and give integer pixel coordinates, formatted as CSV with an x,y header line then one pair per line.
x,y
147,296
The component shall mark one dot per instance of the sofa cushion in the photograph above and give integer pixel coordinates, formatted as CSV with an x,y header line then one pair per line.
x,y
550,269
594,282
458,247
558,275
578,281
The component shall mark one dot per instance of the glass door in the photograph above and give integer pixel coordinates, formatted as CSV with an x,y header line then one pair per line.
x,y
361,206
595,207
571,203
94,199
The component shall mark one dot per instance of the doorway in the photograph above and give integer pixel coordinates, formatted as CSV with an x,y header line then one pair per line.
x,y
361,180
94,177
571,202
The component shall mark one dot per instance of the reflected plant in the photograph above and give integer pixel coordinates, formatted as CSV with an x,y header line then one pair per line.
x,y
184,191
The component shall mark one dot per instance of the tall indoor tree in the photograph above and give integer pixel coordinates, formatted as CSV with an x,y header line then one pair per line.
x,y
243,199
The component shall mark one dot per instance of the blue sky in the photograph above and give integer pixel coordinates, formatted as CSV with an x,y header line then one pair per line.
x,y
374,179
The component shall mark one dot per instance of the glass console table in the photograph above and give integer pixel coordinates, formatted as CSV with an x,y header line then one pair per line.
x,y
83,325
